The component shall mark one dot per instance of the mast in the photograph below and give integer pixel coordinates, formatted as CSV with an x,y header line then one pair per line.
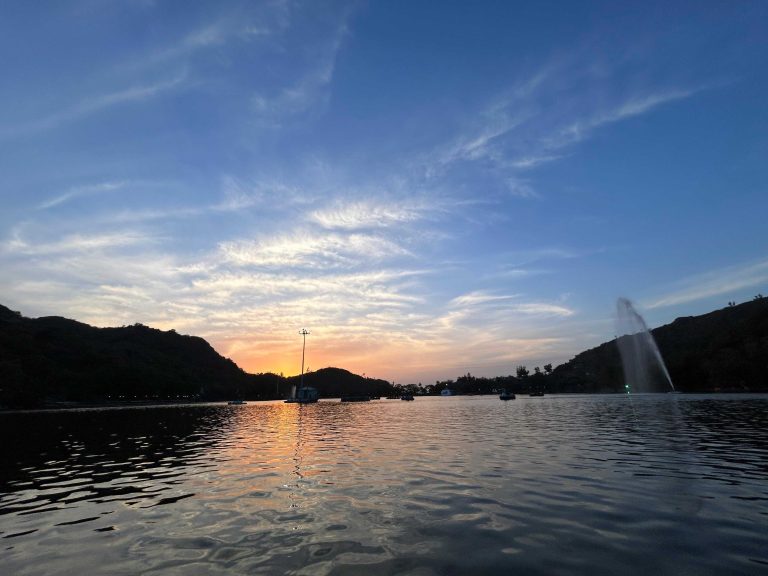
x,y
304,332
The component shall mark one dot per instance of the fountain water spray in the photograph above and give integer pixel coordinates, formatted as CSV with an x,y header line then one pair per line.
x,y
640,356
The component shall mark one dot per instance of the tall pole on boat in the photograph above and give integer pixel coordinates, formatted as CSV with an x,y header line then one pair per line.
x,y
303,333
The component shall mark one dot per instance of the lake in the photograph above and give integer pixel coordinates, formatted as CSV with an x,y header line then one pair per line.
x,y
648,484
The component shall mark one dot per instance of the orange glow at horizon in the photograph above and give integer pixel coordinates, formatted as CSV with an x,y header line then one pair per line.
x,y
372,358
401,360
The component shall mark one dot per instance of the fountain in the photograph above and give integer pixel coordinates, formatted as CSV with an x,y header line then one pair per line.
x,y
644,368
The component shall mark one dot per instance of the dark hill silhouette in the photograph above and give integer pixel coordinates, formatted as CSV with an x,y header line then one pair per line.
x,y
724,350
57,359
337,382
54,359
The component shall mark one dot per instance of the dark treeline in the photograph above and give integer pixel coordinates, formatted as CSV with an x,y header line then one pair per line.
x,y
55,360
330,383
523,382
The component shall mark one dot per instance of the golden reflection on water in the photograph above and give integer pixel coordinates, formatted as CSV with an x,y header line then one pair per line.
x,y
435,486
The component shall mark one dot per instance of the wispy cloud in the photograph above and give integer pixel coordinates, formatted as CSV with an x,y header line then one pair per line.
x,y
75,243
508,111
520,188
524,257
308,250
365,214
634,106
539,121
715,283
80,191
544,309
152,214
497,312
480,297
240,193
205,37
309,91
95,104
237,195
258,22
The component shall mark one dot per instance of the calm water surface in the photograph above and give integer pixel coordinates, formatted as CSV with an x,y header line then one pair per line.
x,y
463,485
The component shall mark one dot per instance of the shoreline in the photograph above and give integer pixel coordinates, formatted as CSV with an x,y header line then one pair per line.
x,y
73,406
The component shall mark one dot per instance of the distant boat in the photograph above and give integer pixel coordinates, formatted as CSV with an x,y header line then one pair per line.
x,y
406,397
506,395
537,393
236,402
447,392
304,395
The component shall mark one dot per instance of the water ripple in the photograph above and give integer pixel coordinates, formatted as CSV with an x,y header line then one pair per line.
x,y
550,485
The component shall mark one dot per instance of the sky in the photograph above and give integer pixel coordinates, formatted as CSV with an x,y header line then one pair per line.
x,y
429,188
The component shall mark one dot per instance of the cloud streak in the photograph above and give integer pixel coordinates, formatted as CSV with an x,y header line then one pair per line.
x,y
365,214
714,283
75,243
308,250
82,191
308,91
635,106
534,124
95,104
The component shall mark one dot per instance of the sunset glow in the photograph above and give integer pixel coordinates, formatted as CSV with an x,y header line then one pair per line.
x,y
429,189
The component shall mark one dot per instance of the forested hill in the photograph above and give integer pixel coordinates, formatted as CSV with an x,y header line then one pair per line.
x,y
54,360
57,359
724,350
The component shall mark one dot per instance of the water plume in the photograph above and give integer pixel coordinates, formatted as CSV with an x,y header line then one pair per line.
x,y
644,368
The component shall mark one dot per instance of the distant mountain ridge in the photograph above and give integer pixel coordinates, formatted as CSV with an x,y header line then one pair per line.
x,y
53,359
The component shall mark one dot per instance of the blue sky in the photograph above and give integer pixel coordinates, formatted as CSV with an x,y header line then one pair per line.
x,y
430,188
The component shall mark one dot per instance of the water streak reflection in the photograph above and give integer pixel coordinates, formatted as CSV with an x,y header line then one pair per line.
x,y
439,486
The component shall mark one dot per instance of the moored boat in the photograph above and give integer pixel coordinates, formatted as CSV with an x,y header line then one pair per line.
x,y
305,394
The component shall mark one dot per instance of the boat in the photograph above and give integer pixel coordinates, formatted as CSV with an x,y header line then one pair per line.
x,y
236,402
304,394
447,392
536,393
506,395
406,397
